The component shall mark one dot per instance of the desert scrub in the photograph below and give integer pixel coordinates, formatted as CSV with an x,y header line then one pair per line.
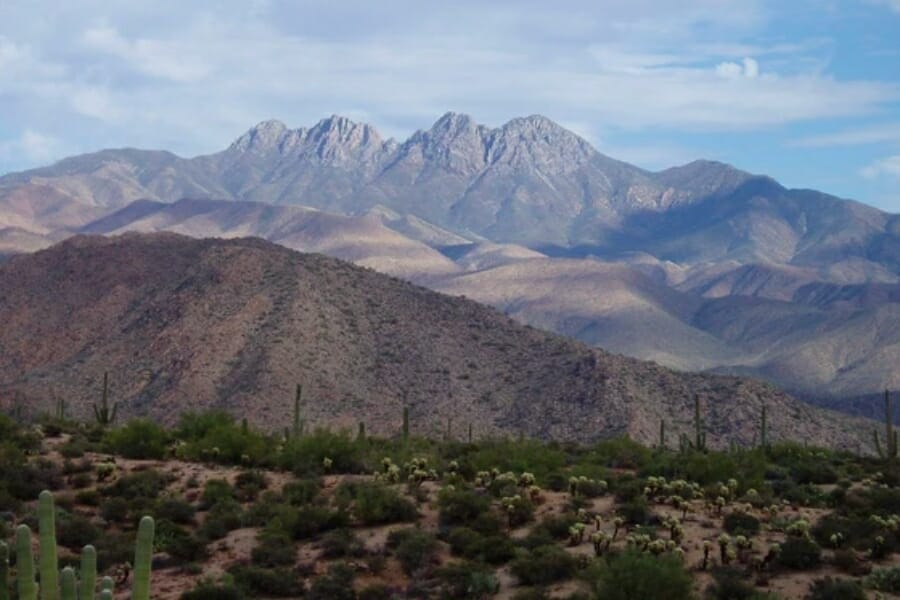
x,y
413,547
800,553
830,588
273,549
884,580
256,581
467,581
633,575
544,565
138,439
374,503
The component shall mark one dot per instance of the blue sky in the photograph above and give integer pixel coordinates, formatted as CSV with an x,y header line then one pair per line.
x,y
807,91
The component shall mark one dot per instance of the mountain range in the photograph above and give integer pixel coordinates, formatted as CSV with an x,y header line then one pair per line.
x,y
701,267
181,323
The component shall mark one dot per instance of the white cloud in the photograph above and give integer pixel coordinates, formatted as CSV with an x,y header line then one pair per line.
x,y
888,166
32,146
875,134
749,68
894,5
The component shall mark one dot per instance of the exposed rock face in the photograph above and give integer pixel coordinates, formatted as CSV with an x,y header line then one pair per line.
x,y
184,324
701,266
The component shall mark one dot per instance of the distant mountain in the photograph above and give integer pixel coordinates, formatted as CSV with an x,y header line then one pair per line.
x,y
188,324
699,267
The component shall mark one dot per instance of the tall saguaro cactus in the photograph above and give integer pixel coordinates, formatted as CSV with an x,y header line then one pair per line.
x,y
889,452
88,573
763,429
298,421
25,564
699,433
143,555
405,423
4,571
47,533
662,434
103,413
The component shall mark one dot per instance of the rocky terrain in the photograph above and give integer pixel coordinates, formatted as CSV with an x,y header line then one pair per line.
x,y
717,269
235,324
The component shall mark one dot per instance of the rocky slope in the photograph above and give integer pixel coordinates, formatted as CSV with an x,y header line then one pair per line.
x,y
186,324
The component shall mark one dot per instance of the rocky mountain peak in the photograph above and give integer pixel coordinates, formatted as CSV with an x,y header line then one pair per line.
x,y
339,139
539,142
262,137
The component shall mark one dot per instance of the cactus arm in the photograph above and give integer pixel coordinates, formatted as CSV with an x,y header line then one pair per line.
x,y
47,533
143,555
107,584
88,573
68,584
25,564
405,423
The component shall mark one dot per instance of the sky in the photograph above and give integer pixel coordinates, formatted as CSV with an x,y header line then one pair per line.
x,y
807,91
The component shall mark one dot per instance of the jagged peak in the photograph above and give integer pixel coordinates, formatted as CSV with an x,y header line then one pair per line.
x,y
262,136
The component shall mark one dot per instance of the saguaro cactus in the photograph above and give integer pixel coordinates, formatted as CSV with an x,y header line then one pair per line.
x,y
47,533
107,586
889,452
103,414
298,421
405,423
763,429
4,571
88,573
143,554
25,564
68,584
699,433
662,434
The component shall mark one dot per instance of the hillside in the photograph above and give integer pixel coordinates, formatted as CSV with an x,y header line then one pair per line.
x,y
182,323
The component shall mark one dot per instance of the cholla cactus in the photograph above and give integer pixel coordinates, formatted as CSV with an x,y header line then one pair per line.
x,y
656,547
534,492
618,523
707,548
598,520
526,479
326,464
720,504
724,541
799,528
576,534
453,467
836,539
601,542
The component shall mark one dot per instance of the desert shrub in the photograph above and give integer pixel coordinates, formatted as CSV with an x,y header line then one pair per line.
x,y
183,546
617,453
376,591
741,523
248,485
224,516
74,531
847,561
214,492
273,550
884,580
491,549
79,481
729,584
519,511
88,497
536,457
143,485
301,492
114,510
256,581
341,543
217,437
467,580
636,512
800,553
835,589
306,455
210,591
175,510
376,504
633,575
139,439
336,584
114,549
413,547
75,447
543,565
461,507
306,521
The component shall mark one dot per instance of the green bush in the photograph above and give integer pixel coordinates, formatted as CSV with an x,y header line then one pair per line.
x,y
729,584
212,591
633,575
835,589
413,547
336,584
467,581
301,492
342,543
273,550
306,455
256,581
461,507
375,503
491,549
800,553
544,565
741,523
114,510
175,510
884,580
215,436
138,439
214,492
